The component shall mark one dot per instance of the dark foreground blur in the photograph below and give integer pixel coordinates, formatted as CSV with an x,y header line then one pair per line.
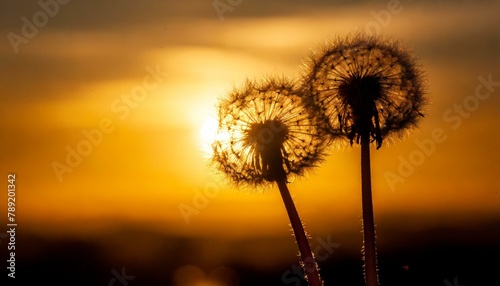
x,y
445,256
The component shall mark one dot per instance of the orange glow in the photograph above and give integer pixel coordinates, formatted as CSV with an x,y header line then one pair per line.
x,y
151,163
109,110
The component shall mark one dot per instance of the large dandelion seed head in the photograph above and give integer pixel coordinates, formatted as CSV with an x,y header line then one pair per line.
x,y
364,84
266,134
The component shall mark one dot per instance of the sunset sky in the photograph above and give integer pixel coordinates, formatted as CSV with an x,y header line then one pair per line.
x,y
107,107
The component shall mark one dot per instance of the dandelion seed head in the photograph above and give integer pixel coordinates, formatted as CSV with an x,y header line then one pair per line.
x,y
365,84
269,134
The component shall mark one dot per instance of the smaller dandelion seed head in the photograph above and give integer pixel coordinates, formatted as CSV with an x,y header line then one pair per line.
x,y
268,133
364,84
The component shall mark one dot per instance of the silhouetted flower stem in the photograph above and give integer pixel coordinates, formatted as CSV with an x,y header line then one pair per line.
x,y
370,250
310,266
266,136
365,89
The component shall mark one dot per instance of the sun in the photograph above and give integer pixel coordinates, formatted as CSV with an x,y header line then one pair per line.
x,y
208,134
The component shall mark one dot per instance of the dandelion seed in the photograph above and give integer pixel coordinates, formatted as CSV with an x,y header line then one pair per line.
x,y
365,89
365,84
270,136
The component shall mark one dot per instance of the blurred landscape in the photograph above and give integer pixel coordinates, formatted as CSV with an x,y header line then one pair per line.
x,y
106,111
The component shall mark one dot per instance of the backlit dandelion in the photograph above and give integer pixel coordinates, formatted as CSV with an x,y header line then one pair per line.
x,y
364,84
365,89
266,135
269,135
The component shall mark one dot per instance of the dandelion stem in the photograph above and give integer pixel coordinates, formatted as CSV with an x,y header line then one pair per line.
x,y
309,264
370,251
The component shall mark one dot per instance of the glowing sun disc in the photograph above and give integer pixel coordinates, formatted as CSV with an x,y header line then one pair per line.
x,y
208,134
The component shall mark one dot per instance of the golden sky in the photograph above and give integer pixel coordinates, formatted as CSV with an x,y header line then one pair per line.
x,y
142,78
